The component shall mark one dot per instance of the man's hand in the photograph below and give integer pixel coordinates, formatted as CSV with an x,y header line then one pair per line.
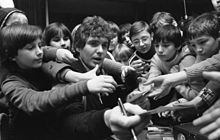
x,y
120,125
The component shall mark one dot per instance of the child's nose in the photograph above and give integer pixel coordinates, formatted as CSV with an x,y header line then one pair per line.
x,y
160,49
62,42
39,51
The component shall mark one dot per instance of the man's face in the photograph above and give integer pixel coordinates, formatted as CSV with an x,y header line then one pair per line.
x,y
94,51
216,4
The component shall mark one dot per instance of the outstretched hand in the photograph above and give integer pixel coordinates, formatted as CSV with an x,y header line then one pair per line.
x,y
160,87
125,71
92,73
139,66
103,84
64,55
212,75
211,124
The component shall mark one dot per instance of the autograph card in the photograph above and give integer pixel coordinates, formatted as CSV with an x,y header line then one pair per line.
x,y
165,108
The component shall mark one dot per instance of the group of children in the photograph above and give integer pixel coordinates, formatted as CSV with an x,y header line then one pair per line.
x,y
58,81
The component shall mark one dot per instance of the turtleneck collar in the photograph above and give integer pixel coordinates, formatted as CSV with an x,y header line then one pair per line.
x,y
147,55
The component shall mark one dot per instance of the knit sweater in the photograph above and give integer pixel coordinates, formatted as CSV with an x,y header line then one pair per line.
x,y
34,106
160,67
211,64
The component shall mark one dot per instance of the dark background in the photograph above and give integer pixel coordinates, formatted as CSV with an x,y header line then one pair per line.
x,y
71,12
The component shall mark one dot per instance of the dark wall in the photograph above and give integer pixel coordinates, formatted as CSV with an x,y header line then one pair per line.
x,y
72,12
34,9
121,11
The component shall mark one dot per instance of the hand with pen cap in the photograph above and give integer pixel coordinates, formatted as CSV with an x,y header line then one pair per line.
x,y
120,124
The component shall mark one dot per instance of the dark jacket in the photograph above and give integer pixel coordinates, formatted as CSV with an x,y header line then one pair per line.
x,y
91,103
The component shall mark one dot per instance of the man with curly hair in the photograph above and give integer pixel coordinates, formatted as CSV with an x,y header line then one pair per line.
x,y
91,43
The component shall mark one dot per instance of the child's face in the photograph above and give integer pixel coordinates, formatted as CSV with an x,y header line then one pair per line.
x,y
123,60
165,50
127,40
94,51
60,41
204,46
30,56
113,43
142,41
216,4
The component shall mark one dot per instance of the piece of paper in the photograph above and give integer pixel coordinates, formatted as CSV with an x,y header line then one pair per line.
x,y
163,109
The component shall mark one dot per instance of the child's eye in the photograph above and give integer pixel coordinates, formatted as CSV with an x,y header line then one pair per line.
x,y
192,45
136,42
202,42
66,38
156,45
144,39
166,45
56,39
94,43
41,44
29,47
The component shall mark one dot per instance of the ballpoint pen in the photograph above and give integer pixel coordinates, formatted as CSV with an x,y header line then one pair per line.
x,y
125,113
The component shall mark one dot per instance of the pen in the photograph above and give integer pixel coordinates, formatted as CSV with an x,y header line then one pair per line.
x,y
124,113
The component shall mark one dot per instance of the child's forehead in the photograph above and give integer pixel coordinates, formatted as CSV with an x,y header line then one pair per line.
x,y
163,41
141,34
201,37
100,39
